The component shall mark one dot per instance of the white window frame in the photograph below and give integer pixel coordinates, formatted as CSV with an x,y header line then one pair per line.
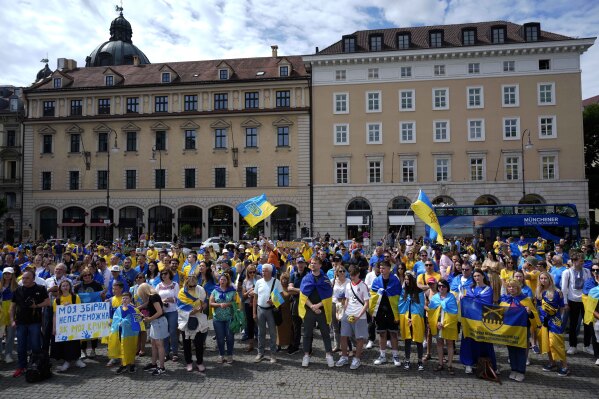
x,y
336,161
555,165
503,126
162,75
482,129
474,68
380,161
519,168
517,96
346,111
335,127
439,70
373,73
340,75
405,72
553,127
446,107
380,125
481,96
484,166
552,102
380,102
447,138
413,159
401,127
509,66
412,100
436,175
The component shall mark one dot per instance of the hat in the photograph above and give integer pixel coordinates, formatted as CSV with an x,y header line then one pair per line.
x,y
242,247
337,258
115,268
532,260
431,280
8,270
300,260
152,245
100,247
138,250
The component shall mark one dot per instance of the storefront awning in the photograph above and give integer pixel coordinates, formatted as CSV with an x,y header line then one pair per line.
x,y
98,225
80,224
395,220
357,220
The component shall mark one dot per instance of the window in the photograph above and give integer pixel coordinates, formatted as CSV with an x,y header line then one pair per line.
x,y
57,83
374,171
373,73
544,65
509,66
342,172
406,100
221,101
102,180
405,72
341,103
474,68
49,108
476,130
75,143
132,105
76,107
160,141
511,128
46,180
477,169
439,70
109,80
547,127
440,99
498,35
469,37
283,176
130,179
190,102
220,138
251,100
161,104
220,177
283,136
251,176
74,180
11,138
403,41
407,132
190,139
441,131
283,99
104,106
442,169
166,77
511,96
159,178
436,39
190,178
374,133
47,144
341,134
531,32
349,44
376,43
408,170
223,74
284,71
546,96
475,97
373,101
251,137
103,142
512,167
548,167
131,141
340,74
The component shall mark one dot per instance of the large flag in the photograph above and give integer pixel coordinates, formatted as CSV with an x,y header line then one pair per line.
x,y
255,209
494,324
393,291
423,208
590,304
322,285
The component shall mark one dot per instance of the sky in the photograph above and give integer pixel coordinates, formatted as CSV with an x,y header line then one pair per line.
x,y
185,30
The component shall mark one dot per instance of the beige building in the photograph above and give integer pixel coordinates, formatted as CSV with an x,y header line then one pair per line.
x,y
166,145
483,113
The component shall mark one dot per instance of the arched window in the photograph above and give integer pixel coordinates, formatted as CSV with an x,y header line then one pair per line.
x,y
533,199
444,200
486,200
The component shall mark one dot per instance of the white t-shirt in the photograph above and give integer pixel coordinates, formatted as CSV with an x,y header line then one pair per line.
x,y
339,290
262,288
170,291
354,307
370,278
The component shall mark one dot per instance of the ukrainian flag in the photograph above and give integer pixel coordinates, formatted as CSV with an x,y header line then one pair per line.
x,y
186,301
449,305
89,297
376,294
276,297
123,332
323,286
423,208
590,304
409,309
255,209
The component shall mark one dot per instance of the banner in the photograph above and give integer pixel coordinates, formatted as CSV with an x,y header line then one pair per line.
x,y
82,321
501,325
290,244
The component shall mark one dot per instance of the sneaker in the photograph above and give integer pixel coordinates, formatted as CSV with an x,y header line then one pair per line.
x,y
343,360
420,366
273,359
380,360
18,373
406,365
396,361
8,359
229,359
330,360
121,369
355,363
468,370
92,354
111,362
535,349
79,363
369,345
528,362
563,372
83,355
549,367
571,350
519,377
589,350
220,359
597,362
292,350
64,367
132,369
159,371
512,375
306,361
258,358
150,367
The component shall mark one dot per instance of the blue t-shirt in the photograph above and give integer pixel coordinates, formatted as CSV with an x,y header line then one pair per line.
x,y
556,273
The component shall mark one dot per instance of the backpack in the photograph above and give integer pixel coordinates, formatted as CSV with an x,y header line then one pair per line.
x,y
485,370
39,368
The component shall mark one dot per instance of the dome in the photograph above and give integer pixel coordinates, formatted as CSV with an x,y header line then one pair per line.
x,y
43,73
119,49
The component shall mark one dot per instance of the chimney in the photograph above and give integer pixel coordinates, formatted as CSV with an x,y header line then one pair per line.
x,y
70,64
136,60
60,63
274,49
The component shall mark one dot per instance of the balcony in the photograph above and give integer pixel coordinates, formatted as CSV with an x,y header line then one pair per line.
x,y
7,181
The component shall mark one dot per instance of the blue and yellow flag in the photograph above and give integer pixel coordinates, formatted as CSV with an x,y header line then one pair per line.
x,y
89,297
411,310
494,324
392,291
449,306
255,209
590,304
276,297
325,291
186,301
423,208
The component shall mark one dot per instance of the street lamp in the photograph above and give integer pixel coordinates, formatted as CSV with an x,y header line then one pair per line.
x,y
528,146
158,150
115,149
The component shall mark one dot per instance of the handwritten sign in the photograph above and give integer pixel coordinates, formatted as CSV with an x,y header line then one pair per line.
x,y
82,321
289,244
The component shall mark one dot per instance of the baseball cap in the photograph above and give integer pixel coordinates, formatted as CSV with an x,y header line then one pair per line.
x,y
8,270
336,258
300,260
532,260
242,246
431,280
115,268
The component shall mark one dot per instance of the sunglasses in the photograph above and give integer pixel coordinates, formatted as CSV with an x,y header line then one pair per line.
x,y
443,286
86,275
595,270
575,259
251,272
428,264
139,278
163,274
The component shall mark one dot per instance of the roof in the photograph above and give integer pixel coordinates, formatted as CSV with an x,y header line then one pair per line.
x,y
189,72
452,36
590,101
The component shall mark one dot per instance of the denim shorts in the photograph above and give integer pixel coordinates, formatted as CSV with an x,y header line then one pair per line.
x,y
159,328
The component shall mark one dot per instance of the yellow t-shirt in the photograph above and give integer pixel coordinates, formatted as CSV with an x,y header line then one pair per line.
x,y
422,280
506,274
533,281
66,300
152,254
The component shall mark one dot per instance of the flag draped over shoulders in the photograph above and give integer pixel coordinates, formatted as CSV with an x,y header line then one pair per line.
x,y
449,307
378,290
186,301
322,285
411,309
590,304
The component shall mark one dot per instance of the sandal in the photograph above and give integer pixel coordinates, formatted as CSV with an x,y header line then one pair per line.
x,y
451,370
439,367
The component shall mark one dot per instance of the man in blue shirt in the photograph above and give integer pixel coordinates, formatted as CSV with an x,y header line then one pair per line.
x,y
115,272
419,266
557,270
377,257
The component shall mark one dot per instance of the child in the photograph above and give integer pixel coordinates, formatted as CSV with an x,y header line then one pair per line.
x,y
125,323
114,351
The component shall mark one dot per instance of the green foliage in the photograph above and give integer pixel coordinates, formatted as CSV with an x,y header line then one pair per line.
x,y
253,232
186,230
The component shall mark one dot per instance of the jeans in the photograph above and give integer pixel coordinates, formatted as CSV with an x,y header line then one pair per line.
x,y
10,341
371,328
29,338
47,317
265,316
517,358
198,343
309,322
171,344
223,334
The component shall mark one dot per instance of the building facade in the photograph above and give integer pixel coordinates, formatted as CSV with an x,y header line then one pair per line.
x,y
483,113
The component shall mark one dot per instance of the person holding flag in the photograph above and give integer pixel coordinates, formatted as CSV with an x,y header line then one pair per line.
x,y
442,313
423,208
125,324
267,297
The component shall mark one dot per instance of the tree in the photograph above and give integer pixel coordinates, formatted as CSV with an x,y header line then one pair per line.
x,y
590,117
186,231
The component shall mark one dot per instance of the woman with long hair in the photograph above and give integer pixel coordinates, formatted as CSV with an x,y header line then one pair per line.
x,y
7,289
223,299
411,319
153,274
442,311
247,293
158,327
168,291
339,283
69,351
206,278
138,303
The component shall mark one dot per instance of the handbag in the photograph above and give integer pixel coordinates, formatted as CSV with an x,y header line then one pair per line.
x,y
238,321
192,323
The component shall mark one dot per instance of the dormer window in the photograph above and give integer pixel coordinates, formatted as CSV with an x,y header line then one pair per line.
x,y
57,83
284,71
532,32
376,43
436,38
469,37
166,77
223,74
403,41
109,80
498,34
349,44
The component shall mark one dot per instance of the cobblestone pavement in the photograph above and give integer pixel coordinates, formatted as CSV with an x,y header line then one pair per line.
x,y
246,379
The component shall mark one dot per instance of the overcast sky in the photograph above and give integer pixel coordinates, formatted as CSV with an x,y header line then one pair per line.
x,y
183,30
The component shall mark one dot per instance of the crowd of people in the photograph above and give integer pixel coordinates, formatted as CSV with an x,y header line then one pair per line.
x,y
403,290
